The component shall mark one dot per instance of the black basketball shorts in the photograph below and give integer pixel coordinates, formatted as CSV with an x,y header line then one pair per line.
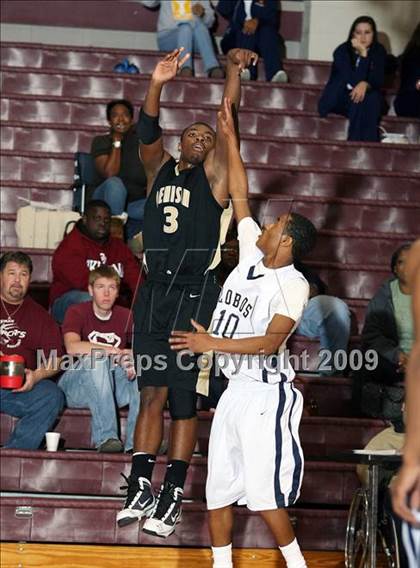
x,y
160,309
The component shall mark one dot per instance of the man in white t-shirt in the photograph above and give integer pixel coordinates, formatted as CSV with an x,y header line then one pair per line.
x,y
255,457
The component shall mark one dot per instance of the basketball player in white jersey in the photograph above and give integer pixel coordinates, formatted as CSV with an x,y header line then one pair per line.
x,y
406,487
255,457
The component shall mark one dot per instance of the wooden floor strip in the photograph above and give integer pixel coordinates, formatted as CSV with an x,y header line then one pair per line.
x,y
23,555
27,555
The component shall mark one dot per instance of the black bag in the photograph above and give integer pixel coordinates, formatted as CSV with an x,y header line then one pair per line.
x,y
382,401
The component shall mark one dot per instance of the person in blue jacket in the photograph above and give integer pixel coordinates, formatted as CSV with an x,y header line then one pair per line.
x,y
407,101
254,24
354,86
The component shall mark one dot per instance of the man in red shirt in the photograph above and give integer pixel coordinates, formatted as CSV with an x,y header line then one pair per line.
x,y
28,330
102,379
86,247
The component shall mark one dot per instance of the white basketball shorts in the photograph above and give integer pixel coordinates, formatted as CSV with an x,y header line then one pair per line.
x,y
255,456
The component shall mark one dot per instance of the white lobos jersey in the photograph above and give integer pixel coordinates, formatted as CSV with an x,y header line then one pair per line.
x,y
251,296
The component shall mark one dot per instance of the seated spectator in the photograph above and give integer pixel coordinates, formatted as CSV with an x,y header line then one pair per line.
x,y
407,101
86,247
388,330
26,329
185,23
325,317
254,25
387,439
357,75
390,440
121,179
99,332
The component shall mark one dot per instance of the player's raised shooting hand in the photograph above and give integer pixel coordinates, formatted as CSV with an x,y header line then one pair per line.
x,y
169,66
197,342
242,58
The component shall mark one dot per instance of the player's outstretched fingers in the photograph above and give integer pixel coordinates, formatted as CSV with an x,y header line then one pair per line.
x,y
251,58
174,54
178,340
183,60
254,58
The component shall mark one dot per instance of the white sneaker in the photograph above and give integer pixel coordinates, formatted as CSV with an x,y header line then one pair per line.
x,y
280,77
167,512
139,503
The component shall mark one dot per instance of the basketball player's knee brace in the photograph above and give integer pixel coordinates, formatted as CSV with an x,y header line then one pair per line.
x,y
182,404
148,129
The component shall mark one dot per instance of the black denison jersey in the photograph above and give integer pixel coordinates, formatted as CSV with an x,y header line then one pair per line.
x,y
182,224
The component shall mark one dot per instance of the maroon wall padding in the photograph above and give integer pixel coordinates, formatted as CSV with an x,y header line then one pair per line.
x,y
49,113
111,15
320,435
93,521
90,473
102,59
198,91
281,150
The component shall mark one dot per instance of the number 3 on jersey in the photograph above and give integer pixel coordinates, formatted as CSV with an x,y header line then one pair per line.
x,y
171,215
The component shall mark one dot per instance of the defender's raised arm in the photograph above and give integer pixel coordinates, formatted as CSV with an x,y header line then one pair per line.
x,y
237,179
216,165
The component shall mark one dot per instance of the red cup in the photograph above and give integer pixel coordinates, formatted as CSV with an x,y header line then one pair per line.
x,y
12,371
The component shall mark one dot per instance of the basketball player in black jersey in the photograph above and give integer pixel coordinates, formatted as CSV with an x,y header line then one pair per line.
x,y
182,236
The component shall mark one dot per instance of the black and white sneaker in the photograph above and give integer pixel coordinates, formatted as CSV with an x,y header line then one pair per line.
x,y
167,512
140,501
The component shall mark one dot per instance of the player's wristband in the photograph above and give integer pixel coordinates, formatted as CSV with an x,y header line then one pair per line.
x,y
148,129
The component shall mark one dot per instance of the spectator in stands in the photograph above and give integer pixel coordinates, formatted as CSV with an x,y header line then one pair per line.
x,y
388,330
392,441
389,324
100,332
86,247
407,101
387,439
186,24
254,25
26,329
120,176
326,317
357,75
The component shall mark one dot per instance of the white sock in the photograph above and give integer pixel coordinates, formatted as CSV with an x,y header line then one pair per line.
x,y
222,556
293,555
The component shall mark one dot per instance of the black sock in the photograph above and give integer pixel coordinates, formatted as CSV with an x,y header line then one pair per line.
x,y
142,465
176,472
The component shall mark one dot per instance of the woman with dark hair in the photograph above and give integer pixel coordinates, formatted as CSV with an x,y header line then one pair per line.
x,y
407,101
357,75
389,331
120,179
